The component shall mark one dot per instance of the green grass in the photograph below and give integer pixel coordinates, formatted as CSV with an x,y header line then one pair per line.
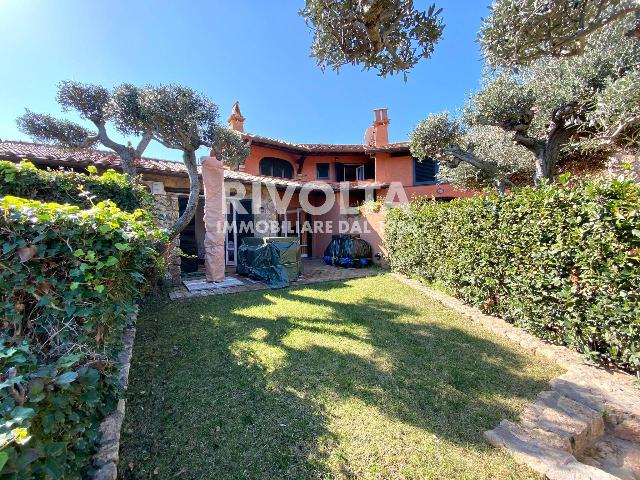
x,y
358,379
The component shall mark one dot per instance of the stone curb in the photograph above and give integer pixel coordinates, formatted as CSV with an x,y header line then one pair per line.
x,y
106,458
587,411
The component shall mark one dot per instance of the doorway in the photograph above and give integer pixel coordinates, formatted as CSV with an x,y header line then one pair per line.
x,y
297,223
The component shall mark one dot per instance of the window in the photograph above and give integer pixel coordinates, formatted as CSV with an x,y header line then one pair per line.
x,y
346,172
425,172
276,167
322,170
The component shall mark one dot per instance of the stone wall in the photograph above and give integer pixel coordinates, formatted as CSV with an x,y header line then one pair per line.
x,y
267,214
164,215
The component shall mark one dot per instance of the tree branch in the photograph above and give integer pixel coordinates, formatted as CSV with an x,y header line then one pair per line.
x,y
144,143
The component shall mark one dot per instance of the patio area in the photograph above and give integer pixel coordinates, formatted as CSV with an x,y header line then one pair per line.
x,y
314,271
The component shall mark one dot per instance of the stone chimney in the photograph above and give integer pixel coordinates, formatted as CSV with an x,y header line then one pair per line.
x,y
236,120
378,134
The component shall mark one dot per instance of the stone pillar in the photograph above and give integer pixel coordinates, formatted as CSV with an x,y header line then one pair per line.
x,y
214,217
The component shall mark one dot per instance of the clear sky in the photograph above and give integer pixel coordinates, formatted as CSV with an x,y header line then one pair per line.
x,y
254,51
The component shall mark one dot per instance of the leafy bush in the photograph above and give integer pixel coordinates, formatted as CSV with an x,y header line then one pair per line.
x,y
25,180
562,262
69,280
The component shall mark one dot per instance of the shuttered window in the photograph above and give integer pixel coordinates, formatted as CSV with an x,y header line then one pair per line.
x,y
425,172
276,167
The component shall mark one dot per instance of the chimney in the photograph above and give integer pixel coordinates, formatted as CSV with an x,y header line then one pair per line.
x,y
381,127
236,120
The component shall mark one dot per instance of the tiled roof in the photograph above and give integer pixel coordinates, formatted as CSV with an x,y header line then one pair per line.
x,y
319,148
66,157
81,157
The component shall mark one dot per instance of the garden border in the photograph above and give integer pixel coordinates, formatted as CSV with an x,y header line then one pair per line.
x,y
106,458
588,408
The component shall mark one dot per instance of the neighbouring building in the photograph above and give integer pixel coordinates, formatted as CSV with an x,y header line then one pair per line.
x,y
351,173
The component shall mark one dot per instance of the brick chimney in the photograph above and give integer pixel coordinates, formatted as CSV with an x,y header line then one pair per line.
x,y
381,127
236,120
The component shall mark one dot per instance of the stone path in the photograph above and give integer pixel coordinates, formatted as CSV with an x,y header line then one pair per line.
x,y
314,271
586,426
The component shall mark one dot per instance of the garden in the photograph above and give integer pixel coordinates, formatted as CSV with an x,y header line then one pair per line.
x,y
362,378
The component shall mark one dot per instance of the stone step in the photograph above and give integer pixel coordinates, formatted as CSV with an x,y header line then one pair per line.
x,y
584,395
551,463
526,448
575,425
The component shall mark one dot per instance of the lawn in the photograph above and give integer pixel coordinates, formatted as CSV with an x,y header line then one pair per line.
x,y
357,379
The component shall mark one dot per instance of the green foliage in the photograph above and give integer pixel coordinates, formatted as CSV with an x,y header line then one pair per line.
x,y
562,262
390,36
435,136
27,181
519,32
69,280
50,414
45,128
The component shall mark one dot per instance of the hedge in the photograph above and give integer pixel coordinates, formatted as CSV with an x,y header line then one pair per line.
x,y
25,180
68,280
562,262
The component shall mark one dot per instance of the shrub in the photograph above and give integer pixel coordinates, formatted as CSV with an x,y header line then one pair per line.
x,y
25,180
562,262
69,279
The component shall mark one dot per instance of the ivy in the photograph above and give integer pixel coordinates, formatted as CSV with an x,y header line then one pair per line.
x,y
562,262
68,280
25,180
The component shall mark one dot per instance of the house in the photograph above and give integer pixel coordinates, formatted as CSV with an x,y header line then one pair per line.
x,y
282,188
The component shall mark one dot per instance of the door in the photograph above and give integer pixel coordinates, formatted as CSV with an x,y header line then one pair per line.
x,y
188,241
239,225
294,226
231,237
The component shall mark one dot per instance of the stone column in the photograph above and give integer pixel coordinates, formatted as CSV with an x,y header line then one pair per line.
x,y
214,217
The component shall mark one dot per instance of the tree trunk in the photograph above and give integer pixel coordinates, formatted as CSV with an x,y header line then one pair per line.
x,y
189,158
547,154
127,159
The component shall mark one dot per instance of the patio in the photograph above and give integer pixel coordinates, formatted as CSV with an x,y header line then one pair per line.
x,y
314,271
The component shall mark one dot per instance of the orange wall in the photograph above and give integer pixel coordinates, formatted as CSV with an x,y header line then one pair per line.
x,y
394,169
252,163
257,153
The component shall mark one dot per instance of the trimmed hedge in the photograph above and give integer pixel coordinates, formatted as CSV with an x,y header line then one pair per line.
x,y
68,280
25,180
562,262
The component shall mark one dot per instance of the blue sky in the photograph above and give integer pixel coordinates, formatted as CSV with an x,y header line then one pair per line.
x,y
254,51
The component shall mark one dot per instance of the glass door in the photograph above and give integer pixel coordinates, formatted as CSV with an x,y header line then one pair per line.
x,y
231,237
293,225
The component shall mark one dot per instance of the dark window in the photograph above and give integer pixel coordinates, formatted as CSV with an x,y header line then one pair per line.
x,y
425,171
322,170
276,167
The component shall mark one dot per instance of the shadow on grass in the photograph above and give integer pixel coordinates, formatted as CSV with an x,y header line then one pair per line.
x,y
218,391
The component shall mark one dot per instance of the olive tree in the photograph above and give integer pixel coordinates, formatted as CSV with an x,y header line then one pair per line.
x,y
175,116
99,106
471,156
556,103
390,36
519,32
185,120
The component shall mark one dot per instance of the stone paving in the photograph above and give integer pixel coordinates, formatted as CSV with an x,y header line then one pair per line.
x,y
314,271
586,426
